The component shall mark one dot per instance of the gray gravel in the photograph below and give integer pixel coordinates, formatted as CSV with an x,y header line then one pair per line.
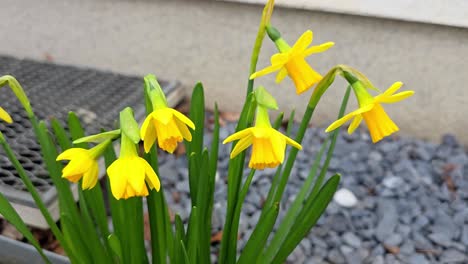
x,y
412,200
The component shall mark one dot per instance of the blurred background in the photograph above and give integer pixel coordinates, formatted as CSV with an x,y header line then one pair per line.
x,y
419,42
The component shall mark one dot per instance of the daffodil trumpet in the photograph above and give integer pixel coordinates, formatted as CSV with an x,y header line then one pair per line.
x,y
371,111
290,61
165,124
83,164
268,144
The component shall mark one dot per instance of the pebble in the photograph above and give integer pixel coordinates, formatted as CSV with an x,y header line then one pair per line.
x,y
345,198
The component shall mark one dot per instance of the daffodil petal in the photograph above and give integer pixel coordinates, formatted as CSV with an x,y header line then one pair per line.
x,y
393,88
90,177
5,116
354,124
78,165
70,153
340,121
149,136
164,115
317,49
238,135
281,75
243,143
293,143
396,97
183,118
148,133
136,174
184,130
279,58
304,40
118,179
151,177
266,71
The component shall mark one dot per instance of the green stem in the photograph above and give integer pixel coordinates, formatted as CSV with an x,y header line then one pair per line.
x,y
323,172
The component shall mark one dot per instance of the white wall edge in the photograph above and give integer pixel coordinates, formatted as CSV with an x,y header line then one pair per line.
x,y
441,12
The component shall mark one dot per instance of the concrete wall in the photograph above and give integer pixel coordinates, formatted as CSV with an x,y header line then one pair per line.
x,y
211,41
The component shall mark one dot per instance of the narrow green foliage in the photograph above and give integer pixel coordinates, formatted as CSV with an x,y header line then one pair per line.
x,y
61,135
192,236
116,247
75,239
252,250
92,199
179,239
9,213
303,225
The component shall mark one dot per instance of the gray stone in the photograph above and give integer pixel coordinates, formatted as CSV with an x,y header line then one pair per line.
x,y
351,239
453,256
183,186
407,248
388,219
335,256
393,182
440,239
393,240
378,260
346,250
417,259
464,236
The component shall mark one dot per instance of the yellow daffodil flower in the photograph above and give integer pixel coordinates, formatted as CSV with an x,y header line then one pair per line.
x,y
167,125
268,145
5,116
291,61
83,164
128,174
370,109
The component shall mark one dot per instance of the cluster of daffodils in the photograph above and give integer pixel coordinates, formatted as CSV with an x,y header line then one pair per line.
x,y
129,173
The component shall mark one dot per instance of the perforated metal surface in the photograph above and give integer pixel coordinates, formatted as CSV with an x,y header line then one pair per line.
x,y
96,96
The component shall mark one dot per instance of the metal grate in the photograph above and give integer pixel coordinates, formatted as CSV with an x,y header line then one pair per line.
x,y
54,90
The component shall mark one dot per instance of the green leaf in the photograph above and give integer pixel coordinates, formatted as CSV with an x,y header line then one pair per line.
x,y
197,115
214,144
303,225
179,238
91,201
192,235
98,138
129,125
61,135
278,120
294,209
252,250
184,251
114,243
9,213
72,234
